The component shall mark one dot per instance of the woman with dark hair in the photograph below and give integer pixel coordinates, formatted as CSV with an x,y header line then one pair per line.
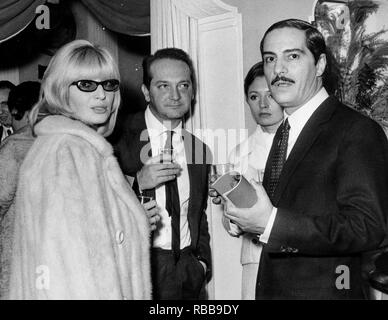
x,y
249,157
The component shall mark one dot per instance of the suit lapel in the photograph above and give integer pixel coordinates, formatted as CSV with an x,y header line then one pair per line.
x,y
187,141
195,173
306,139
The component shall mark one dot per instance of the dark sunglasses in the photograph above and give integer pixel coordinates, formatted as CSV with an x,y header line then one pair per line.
x,y
91,85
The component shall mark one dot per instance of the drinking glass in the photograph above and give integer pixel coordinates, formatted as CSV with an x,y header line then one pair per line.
x,y
144,199
217,170
167,155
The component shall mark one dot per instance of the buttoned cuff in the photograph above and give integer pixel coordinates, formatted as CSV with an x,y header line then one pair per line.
x,y
264,238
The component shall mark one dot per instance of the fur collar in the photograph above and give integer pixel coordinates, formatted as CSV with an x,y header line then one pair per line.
x,y
57,124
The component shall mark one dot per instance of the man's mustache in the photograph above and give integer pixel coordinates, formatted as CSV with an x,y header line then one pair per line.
x,y
281,78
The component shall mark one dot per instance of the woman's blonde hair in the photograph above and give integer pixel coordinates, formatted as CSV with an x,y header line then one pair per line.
x,y
76,60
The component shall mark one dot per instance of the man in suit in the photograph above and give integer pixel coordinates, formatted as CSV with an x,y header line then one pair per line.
x,y
5,115
324,201
180,258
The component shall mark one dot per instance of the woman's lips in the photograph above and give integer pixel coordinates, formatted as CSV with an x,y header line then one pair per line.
x,y
100,110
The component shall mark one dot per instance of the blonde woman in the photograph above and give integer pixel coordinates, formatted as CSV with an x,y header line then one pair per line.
x,y
80,232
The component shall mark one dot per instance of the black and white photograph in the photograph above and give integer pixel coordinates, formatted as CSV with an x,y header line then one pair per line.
x,y
194,154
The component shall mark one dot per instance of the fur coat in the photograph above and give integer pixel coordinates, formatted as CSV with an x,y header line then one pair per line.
x,y
12,153
80,232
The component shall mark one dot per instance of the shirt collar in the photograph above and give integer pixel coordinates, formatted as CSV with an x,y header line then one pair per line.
x,y
258,130
157,128
298,119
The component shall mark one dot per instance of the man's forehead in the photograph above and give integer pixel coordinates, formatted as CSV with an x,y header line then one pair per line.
x,y
285,39
169,67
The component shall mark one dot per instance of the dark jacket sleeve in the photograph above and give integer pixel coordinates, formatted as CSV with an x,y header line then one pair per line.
x,y
204,251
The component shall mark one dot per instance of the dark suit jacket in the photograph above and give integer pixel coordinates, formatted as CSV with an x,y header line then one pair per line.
x,y
133,147
332,201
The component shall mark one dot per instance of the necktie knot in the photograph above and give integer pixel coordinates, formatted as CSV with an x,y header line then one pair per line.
x,y
277,158
286,126
284,130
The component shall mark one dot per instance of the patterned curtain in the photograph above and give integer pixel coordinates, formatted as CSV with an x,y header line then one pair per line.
x,y
15,15
130,17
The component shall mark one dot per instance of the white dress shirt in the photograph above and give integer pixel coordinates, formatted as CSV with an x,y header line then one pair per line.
x,y
297,121
158,134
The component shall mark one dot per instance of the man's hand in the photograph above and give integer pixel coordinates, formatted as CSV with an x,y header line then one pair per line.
x,y
155,173
216,197
152,211
254,219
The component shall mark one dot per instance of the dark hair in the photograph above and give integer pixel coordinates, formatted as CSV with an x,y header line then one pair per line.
x,y
315,41
168,53
22,98
5,84
255,71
